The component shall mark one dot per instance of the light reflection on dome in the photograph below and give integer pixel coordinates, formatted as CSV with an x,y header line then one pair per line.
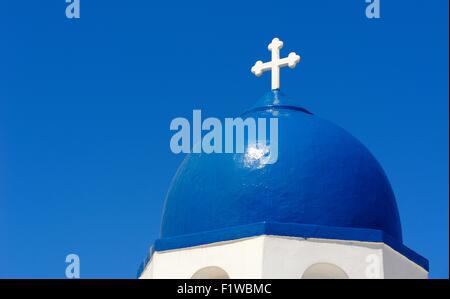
x,y
256,155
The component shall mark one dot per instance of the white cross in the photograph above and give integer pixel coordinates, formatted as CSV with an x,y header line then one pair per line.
x,y
276,63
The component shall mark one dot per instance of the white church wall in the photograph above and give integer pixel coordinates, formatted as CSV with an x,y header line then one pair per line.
x,y
241,258
396,265
291,257
283,257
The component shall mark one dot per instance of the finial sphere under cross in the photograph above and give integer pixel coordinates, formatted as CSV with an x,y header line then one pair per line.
x,y
276,63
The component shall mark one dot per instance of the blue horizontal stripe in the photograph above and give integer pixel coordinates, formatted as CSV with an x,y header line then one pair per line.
x,y
291,230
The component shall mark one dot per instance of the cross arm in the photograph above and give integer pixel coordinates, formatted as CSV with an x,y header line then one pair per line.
x,y
290,61
260,67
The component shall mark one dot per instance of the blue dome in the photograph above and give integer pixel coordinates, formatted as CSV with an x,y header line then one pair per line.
x,y
324,177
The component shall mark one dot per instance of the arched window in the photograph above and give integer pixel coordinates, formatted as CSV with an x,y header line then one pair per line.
x,y
324,271
211,272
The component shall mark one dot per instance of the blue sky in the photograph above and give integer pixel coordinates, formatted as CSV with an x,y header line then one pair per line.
x,y
85,108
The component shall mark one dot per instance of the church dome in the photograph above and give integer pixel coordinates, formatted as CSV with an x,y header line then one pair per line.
x,y
324,178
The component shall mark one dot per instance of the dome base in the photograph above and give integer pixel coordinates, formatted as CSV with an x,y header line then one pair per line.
x,y
289,230
260,257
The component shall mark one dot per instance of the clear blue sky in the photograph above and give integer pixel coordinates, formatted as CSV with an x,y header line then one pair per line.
x,y
85,107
